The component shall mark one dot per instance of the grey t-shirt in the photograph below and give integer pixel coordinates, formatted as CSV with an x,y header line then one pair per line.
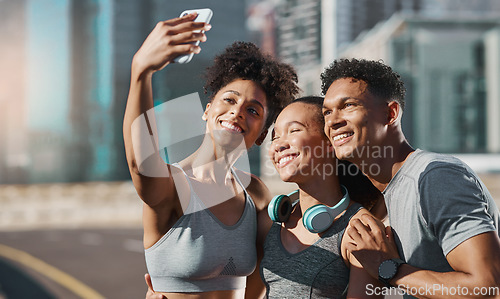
x,y
435,202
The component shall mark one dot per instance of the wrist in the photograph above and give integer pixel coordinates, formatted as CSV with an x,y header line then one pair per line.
x,y
139,70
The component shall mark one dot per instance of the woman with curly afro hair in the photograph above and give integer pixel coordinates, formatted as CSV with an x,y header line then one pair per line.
x,y
199,218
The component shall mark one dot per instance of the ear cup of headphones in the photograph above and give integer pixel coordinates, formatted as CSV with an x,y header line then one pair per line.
x,y
280,208
317,218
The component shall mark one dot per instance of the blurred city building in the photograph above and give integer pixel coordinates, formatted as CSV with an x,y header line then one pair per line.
x,y
447,52
65,78
66,65
444,49
62,128
309,33
13,148
451,70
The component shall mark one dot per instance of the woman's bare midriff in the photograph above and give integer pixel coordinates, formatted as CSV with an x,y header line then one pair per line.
x,y
230,294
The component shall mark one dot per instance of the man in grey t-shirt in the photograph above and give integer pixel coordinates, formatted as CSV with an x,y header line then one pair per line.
x,y
444,236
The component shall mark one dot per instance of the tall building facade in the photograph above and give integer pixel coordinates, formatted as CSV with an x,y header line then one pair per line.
x,y
90,150
48,88
14,156
130,25
310,33
57,92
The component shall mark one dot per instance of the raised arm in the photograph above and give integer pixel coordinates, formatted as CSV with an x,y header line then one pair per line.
x,y
167,41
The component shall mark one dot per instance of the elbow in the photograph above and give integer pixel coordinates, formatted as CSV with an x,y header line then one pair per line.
x,y
133,168
132,162
489,286
493,282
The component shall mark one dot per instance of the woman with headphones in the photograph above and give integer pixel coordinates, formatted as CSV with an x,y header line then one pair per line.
x,y
304,252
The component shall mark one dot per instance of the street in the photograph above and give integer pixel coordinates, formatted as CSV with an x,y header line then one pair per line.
x,y
90,263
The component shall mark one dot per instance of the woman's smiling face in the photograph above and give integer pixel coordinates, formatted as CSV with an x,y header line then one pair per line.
x,y
237,112
298,143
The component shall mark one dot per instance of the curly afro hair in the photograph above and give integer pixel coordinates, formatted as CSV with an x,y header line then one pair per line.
x,y
244,60
382,81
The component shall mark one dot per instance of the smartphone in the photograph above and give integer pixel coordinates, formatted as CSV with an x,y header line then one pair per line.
x,y
204,15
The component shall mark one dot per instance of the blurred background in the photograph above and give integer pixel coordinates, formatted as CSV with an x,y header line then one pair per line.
x,y
66,200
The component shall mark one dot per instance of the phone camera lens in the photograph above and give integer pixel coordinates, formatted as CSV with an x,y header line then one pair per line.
x,y
184,14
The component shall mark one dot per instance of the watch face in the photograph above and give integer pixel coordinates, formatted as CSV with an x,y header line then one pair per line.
x,y
387,269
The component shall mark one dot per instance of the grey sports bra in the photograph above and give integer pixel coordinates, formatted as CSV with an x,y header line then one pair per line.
x,y
200,253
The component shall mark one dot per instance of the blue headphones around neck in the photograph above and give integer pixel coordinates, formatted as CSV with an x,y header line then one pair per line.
x,y
316,219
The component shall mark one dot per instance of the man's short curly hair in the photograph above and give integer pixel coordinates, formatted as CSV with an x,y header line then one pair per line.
x,y
244,60
382,81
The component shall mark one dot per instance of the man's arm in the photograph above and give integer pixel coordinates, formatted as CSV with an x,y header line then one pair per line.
x,y
476,262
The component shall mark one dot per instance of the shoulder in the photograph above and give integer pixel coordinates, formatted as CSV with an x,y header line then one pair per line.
x,y
432,170
445,172
259,192
366,218
360,214
264,224
435,161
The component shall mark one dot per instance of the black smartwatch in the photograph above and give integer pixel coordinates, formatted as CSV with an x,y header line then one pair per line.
x,y
388,269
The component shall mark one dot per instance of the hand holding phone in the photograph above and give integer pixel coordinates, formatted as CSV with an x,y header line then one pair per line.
x,y
203,15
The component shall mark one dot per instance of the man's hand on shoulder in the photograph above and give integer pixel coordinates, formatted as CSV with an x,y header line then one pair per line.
x,y
370,242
